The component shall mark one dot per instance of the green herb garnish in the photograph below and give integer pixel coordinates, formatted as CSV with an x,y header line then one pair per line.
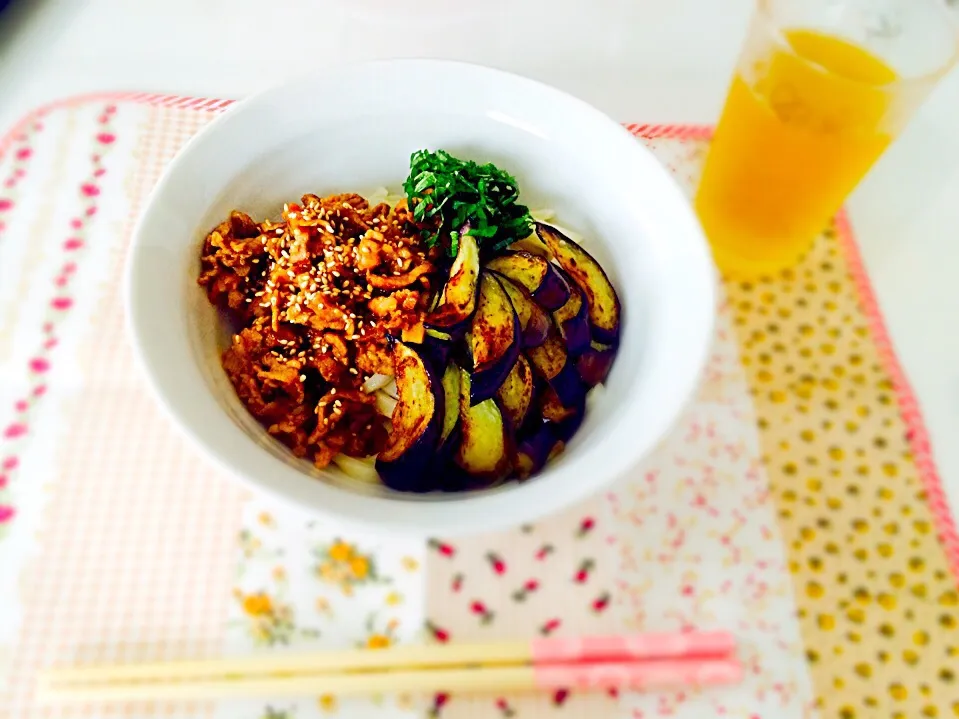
x,y
446,194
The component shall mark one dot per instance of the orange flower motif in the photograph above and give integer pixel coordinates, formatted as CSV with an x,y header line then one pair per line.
x,y
343,565
360,567
378,641
340,551
327,572
327,703
257,605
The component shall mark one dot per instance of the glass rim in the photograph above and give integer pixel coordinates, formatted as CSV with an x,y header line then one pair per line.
x,y
764,10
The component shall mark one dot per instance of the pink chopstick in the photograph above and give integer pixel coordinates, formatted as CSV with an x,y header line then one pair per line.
x,y
627,647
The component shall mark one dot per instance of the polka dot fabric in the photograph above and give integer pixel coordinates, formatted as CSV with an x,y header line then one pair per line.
x,y
878,602
869,540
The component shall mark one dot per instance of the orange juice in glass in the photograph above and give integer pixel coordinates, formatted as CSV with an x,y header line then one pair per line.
x,y
821,89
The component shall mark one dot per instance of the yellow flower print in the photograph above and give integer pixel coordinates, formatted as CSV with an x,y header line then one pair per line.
x,y
269,621
360,567
327,703
279,574
410,564
256,605
266,519
378,641
340,551
251,546
343,565
327,572
393,599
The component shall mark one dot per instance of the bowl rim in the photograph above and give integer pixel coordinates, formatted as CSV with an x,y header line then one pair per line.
x,y
500,507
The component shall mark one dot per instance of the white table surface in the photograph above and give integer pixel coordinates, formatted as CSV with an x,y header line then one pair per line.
x,y
639,60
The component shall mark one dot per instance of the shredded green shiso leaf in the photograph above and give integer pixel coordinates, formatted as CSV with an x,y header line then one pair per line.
x,y
448,195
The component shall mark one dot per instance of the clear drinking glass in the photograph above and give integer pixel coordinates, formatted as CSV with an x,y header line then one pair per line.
x,y
821,89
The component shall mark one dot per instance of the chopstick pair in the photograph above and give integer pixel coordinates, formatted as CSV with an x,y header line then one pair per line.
x,y
622,662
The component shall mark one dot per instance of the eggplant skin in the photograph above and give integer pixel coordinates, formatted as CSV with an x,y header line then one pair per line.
x,y
547,438
573,321
536,274
533,451
410,473
568,385
552,363
533,319
484,452
550,357
417,423
494,339
436,347
552,408
564,429
554,291
588,275
594,364
459,296
516,394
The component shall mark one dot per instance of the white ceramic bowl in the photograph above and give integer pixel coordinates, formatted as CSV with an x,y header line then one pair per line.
x,y
354,129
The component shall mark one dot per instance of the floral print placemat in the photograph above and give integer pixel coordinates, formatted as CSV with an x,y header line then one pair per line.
x,y
796,503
